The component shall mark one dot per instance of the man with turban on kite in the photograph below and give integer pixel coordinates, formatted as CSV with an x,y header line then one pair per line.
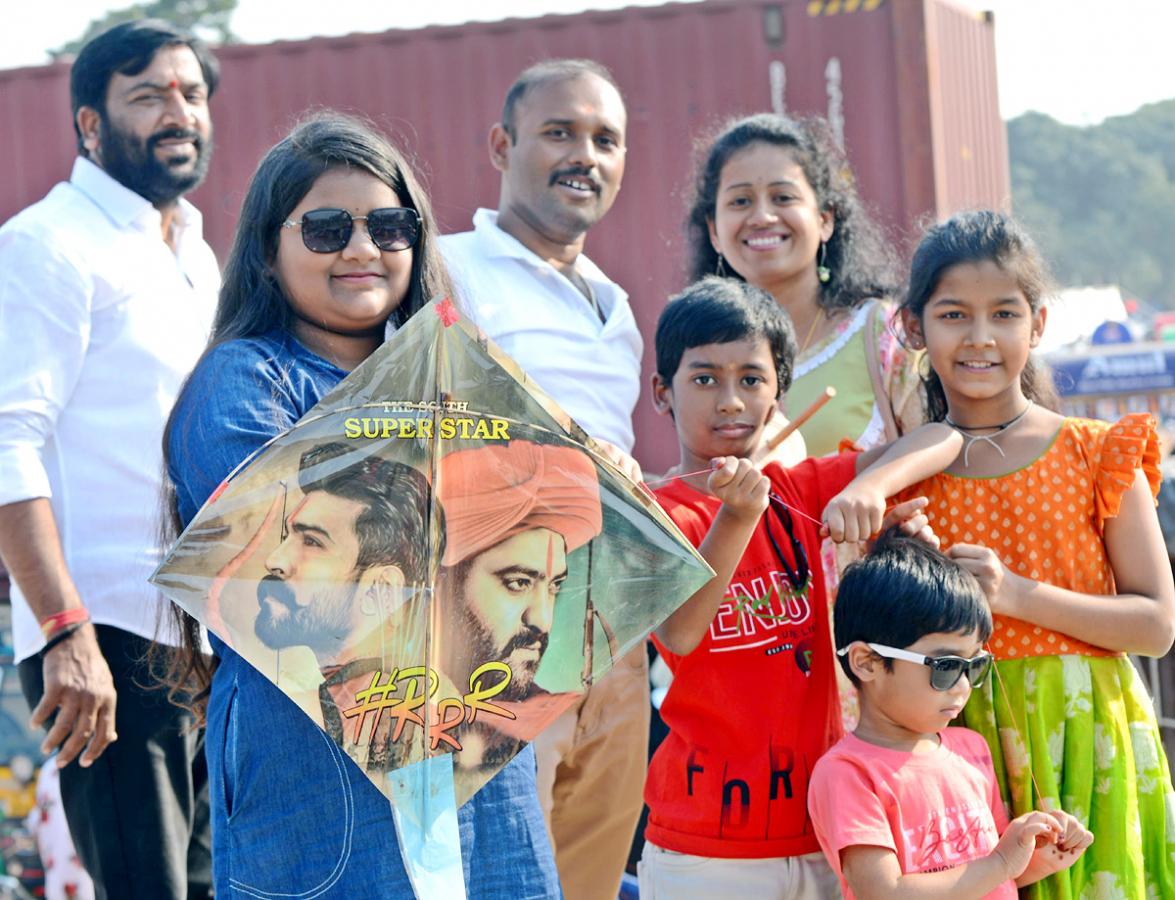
x,y
513,512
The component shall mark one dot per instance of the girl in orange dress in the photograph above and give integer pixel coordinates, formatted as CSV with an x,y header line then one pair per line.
x,y
1056,518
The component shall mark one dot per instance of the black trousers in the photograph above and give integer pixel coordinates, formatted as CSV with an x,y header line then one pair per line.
x,y
139,815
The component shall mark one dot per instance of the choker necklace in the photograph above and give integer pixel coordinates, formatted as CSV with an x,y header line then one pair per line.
x,y
989,438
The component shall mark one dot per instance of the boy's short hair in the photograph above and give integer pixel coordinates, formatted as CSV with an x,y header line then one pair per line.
x,y
903,590
718,311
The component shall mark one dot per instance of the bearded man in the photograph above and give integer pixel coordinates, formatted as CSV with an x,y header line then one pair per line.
x,y
106,294
355,551
514,512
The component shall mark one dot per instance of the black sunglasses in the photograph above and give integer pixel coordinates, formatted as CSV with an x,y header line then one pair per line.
x,y
329,230
945,671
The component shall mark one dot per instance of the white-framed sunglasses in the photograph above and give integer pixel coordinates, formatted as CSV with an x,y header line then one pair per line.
x,y
945,671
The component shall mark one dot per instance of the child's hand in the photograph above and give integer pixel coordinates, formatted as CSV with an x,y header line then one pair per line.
x,y
621,460
911,519
1019,841
991,573
741,487
1053,857
854,514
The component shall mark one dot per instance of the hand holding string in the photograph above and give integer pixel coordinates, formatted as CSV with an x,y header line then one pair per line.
x,y
855,513
741,487
1020,839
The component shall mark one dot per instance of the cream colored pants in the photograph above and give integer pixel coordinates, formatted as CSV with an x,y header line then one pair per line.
x,y
591,779
665,875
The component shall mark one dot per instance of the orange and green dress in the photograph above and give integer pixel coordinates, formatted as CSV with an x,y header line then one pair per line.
x,y
1077,716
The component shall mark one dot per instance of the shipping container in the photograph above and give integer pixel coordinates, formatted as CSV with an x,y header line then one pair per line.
x,y
908,85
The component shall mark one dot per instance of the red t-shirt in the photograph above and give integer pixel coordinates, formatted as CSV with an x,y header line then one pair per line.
x,y
754,705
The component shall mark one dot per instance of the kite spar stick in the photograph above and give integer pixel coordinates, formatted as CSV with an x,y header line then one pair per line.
x,y
829,393
589,629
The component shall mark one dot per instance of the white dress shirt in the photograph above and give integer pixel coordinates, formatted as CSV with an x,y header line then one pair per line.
x,y
100,322
532,311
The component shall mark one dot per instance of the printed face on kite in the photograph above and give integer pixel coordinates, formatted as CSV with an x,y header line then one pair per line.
x,y
503,601
308,597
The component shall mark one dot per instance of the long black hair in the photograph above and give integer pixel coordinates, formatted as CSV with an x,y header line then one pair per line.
x,y
860,261
252,303
975,237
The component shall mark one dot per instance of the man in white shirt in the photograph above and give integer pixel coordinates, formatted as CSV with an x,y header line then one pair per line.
x,y
107,291
522,276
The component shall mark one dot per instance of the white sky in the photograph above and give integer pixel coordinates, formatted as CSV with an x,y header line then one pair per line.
x,y
1077,60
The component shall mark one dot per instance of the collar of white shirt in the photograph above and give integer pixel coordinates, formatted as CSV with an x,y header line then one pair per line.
x,y
125,208
496,242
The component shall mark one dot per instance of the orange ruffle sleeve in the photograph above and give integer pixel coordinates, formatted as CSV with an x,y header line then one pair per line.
x,y
1132,443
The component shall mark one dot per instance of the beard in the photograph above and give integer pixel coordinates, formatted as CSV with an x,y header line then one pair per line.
x,y
481,649
133,163
321,622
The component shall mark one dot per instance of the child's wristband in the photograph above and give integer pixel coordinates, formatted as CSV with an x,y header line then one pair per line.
x,y
50,625
62,635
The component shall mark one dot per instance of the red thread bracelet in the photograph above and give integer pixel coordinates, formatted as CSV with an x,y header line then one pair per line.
x,y
54,623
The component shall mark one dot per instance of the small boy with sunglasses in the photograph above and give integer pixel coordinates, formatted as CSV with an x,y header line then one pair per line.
x,y
905,807
753,702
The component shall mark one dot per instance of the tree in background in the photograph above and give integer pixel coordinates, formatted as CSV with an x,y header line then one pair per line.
x,y
1101,199
207,18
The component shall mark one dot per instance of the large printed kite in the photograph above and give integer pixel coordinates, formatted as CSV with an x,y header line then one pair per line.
x,y
434,563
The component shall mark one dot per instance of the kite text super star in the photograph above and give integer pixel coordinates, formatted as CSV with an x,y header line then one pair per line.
x,y
446,428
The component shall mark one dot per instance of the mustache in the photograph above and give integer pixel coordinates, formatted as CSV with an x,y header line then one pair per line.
x,y
175,134
525,639
272,587
576,172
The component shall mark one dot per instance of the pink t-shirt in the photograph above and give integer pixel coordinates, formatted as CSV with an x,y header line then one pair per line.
x,y
935,810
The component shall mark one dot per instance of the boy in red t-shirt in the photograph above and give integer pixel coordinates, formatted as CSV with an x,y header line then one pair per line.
x,y
753,702
906,806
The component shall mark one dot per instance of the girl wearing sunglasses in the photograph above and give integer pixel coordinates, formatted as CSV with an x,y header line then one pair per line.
x,y
336,241
905,807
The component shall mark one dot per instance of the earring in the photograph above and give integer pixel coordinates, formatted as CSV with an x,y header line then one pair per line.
x,y
923,366
720,268
822,271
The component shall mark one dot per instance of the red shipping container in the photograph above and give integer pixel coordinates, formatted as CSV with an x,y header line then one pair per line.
x,y
910,84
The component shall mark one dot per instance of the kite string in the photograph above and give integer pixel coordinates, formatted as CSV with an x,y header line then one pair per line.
x,y
774,496
1023,732
994,667
660,481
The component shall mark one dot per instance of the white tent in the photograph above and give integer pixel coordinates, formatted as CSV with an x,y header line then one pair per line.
x,y
1074,313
